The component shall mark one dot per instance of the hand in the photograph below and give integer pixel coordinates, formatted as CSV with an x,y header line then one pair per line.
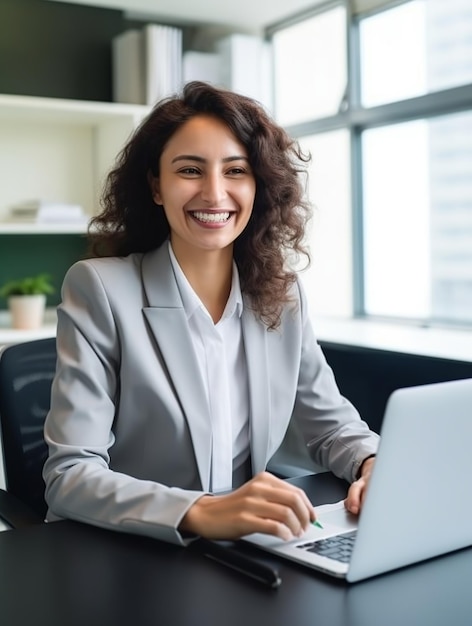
x,y
358,489
265,504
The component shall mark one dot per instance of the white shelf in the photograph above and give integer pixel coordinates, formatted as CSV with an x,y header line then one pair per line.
x,y
60,151
10,335
62,111
12,228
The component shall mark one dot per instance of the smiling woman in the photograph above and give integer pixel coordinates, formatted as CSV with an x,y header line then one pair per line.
x,y
186,350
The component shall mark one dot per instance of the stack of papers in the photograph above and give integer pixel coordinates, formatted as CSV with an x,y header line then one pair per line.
x,y
41,212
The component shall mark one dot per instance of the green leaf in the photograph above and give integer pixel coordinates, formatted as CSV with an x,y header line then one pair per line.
x,y
29,285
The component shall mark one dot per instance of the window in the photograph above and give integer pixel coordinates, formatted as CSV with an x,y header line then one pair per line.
x,y
330,232
396,188
418,47
310,67
391,175
418,218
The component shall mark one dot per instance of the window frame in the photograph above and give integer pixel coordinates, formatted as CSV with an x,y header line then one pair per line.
x,y
356,119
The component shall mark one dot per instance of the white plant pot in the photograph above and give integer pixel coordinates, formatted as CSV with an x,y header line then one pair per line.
x,y
27,312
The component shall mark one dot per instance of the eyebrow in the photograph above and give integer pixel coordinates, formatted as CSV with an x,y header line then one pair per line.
x,y
199,159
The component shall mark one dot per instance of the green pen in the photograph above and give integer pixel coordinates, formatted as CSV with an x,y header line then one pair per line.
x,y
317,524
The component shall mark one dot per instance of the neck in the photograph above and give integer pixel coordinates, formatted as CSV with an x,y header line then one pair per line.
x,y
209,272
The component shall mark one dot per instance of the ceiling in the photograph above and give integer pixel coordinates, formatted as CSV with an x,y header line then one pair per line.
x,y
253,15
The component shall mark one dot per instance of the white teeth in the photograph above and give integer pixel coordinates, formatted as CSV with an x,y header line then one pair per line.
x,y
211,217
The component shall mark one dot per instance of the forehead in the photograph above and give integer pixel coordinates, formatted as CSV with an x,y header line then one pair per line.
x,y
204,134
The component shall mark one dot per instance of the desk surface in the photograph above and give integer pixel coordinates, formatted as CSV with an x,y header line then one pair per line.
x,y
69,574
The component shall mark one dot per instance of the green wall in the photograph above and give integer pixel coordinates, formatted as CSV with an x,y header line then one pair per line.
x,y
28,255
61,50
58,50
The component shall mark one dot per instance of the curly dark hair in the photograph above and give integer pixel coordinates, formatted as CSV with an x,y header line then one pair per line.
x,y
130,221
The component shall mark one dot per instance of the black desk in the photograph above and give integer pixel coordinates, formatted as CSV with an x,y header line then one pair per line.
x,y
69,574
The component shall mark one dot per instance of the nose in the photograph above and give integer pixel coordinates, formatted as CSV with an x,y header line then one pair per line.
x,y
213,188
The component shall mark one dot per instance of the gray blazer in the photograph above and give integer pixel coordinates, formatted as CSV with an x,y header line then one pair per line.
x,y
128,430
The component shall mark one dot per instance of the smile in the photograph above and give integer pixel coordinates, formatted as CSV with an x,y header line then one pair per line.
x,y
211,218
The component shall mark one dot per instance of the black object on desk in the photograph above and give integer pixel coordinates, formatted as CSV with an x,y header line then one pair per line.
x,y
229,556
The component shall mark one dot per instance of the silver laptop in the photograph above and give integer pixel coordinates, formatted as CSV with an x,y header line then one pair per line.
x,y
417,506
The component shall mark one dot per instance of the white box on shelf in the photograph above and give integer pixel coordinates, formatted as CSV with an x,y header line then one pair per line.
x,y
128,67
246,66
43,211
203,66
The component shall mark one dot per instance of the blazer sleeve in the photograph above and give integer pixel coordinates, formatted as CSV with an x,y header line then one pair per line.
x,y
80,484
335,435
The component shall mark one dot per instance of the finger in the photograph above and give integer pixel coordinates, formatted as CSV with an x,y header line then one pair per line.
x,y
279,518
353,501
301,495
278,491
297,501
269,526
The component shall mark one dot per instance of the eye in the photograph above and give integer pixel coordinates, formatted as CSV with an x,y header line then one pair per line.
x,y
189,171
236,171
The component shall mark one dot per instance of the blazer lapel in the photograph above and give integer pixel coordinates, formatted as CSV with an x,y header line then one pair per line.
x,y
168,322
255,345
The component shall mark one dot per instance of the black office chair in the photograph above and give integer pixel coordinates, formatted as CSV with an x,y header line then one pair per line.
x,y
26,373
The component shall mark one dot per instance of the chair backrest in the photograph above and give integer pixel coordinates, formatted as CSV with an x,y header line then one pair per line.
x,y
26,373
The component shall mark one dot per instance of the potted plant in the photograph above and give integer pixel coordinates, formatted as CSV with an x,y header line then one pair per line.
x,y
27,300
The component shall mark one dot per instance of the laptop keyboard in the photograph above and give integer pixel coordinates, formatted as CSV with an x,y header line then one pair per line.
x,y
338,548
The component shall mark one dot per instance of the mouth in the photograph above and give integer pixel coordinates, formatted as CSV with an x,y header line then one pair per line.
x,y
211,217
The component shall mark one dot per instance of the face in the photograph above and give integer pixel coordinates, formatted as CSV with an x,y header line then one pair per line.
x,y
205,185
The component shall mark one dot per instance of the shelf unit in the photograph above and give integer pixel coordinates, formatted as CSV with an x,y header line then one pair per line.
x,y
58,150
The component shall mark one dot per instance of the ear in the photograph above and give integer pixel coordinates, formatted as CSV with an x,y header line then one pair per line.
x,y
155,189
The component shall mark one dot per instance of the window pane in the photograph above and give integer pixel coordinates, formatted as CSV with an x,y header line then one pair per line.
x,y
418,47
310,67
328,282
418,219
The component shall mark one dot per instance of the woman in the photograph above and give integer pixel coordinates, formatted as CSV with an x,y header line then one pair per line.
x,y
185,348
